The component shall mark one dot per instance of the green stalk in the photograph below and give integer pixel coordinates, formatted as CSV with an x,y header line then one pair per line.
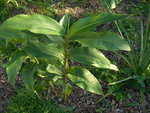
x,y
65,66
66,44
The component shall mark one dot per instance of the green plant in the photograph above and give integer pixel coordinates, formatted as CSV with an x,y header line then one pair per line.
x,y
138,59
28,102
46,43
100,110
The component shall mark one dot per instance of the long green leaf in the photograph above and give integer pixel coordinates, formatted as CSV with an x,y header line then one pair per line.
x,y
55,39
123,80
27,75
52,77
39,49
35,23
64,22
84,79
88,23
9,34
91,56
102,40
14,65
54,69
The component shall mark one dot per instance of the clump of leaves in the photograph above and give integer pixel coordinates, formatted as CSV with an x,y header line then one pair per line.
x,y
46,43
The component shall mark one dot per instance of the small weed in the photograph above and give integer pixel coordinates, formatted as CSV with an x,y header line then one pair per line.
x,y
132,104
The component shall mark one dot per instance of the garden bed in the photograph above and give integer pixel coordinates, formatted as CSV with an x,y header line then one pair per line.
x,y
122,100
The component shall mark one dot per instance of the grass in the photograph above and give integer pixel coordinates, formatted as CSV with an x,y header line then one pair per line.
x,y
28,102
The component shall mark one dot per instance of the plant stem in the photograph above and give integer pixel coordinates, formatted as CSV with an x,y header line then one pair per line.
x,y
65,67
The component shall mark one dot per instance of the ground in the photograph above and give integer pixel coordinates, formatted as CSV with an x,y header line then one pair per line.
x,y
82,101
